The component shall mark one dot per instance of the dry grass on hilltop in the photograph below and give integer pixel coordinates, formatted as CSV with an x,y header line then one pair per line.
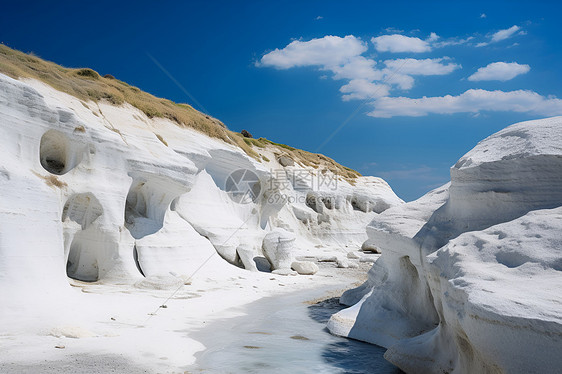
x,y
86,84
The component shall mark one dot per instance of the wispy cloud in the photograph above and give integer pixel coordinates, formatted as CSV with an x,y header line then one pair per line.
x,y
505,34
471,101
362,89
428,66
501,35
500,71
452,41
399,43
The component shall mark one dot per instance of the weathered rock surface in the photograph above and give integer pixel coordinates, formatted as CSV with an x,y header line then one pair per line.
x,y
469,278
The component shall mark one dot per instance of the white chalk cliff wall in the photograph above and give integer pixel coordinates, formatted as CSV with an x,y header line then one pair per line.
x,y
103,193
470,280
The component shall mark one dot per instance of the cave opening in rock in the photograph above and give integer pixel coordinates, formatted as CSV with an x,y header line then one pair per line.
x,y
54,152
83,209
135,205
82,263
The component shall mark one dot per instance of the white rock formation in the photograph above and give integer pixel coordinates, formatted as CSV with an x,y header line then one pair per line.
x,y
305,267
279,248
98,192
470,279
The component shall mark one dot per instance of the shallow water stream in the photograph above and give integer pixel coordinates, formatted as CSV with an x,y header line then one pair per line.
x,y
285,334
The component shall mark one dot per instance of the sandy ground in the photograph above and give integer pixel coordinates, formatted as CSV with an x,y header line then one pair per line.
x,y
121,328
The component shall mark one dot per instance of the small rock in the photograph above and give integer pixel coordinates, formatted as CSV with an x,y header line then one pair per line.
x,y
305,267
367,246
327,259
299,337
353,265
368,258
60,346
286,161
343,264
353,256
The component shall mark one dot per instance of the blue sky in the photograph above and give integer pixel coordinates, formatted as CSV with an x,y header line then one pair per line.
x,y
296,72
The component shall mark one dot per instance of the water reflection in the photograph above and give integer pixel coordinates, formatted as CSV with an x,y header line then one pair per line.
x,y
352,356
284,334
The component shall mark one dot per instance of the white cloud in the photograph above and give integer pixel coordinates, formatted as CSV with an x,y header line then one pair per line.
x,y
432,37
341,56
471,101
327,51
319,18
428,66
504,34
400,43
483,15
357,67
344,58
393,30
452,41
499,71
362,89
403,81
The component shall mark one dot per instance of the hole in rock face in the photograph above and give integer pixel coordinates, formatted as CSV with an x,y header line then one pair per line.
x,y
136,259
145,208
83,209
313,203
135,205
82,263
56,153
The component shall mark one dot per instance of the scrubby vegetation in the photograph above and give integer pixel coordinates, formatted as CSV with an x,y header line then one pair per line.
x,y
88,85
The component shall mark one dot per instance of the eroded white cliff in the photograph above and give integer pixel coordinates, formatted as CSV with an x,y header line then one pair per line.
x,y
102,193
470,278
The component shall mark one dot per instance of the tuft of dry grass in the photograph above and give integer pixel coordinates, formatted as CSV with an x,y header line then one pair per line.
x,y
51,180
161,139
308,159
